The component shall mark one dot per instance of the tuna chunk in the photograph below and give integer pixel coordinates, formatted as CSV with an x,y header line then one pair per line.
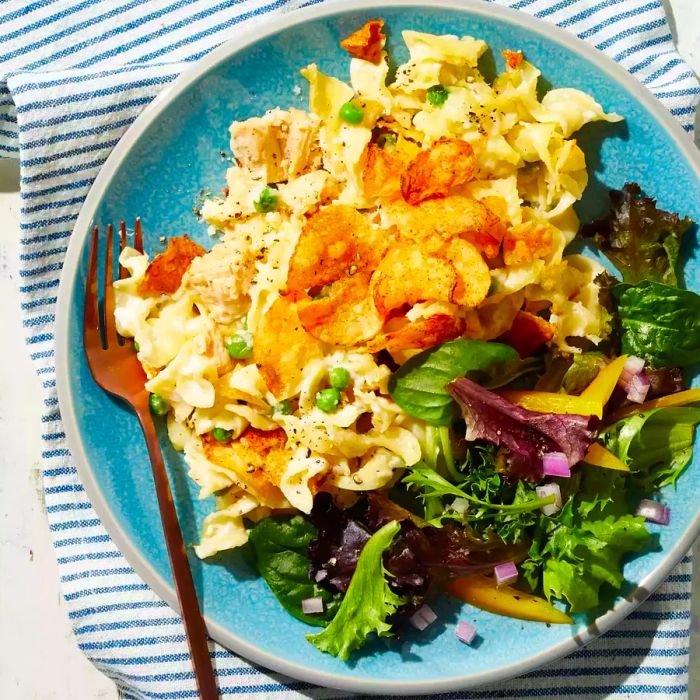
x,y
278,146
220,280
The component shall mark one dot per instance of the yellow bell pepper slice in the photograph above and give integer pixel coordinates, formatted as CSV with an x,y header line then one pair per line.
x,y
680,398
600,456
602,387
549,402
481,592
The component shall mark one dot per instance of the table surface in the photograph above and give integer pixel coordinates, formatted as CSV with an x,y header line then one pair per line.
x,y
32,610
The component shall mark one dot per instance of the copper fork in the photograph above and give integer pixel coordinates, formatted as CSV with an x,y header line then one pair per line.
x,y
115,368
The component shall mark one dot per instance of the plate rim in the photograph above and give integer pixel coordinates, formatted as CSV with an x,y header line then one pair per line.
x,y
64,304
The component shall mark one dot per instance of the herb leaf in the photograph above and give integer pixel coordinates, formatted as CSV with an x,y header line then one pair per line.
x,y
642,241
419,386
367,603
430,483
280,546
657,444
659,323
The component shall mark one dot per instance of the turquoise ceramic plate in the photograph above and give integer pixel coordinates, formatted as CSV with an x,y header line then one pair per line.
x,y
156,172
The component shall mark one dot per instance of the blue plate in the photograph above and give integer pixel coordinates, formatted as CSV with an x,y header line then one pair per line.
x,y
157,170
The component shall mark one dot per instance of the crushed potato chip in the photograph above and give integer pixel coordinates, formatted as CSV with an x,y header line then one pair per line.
x,y
407,275
435,172
528,333
164,274
346,317
381,172
282,348
335,242
258,458
513,58
437,220
367,42
422,333
525,242
473,275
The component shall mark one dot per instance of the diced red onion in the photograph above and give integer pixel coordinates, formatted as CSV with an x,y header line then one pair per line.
x,y
310,606
634,364
320,575
465,632
460,505
633,367
423,617
638,388
555,464
549,490
654,512
505,573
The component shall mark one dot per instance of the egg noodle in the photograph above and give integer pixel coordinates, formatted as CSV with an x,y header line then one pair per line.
x,y
343,243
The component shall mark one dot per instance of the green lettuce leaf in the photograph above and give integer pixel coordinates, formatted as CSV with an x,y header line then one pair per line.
x,y
419,386
657,444
582,547
280,546
582,558
659,323
642,241
367,602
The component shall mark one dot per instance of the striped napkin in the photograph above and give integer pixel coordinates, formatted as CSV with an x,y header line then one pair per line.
x,y
73,75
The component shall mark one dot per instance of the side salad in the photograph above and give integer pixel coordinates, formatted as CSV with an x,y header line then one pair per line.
x,y
540,469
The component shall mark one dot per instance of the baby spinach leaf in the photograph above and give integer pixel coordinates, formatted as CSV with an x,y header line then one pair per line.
x,y
419,386
280,546
658,444
659,323
642,241
368,601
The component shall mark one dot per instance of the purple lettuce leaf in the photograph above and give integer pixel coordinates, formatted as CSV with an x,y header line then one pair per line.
x,y
418,556
526,435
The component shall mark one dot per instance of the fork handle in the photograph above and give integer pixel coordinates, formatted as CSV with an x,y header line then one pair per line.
x,y
184,585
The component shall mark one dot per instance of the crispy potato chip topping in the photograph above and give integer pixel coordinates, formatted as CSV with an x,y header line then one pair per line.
x,y
282,348
259,457
513,58
437,220
525,242
335,242
381,172
346,317
473,276
528,333
367,42
419,334
164,274
435,172
407,275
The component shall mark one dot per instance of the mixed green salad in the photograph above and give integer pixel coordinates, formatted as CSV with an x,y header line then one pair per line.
x,y
495,513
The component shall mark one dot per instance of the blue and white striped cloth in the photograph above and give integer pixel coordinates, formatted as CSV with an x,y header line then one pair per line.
x,y
73,75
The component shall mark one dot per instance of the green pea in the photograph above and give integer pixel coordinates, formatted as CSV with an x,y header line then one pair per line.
x,y
328,399
351,113
437,95
239,346
283,408
339,378
221,434
137,347
158,405
267,201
